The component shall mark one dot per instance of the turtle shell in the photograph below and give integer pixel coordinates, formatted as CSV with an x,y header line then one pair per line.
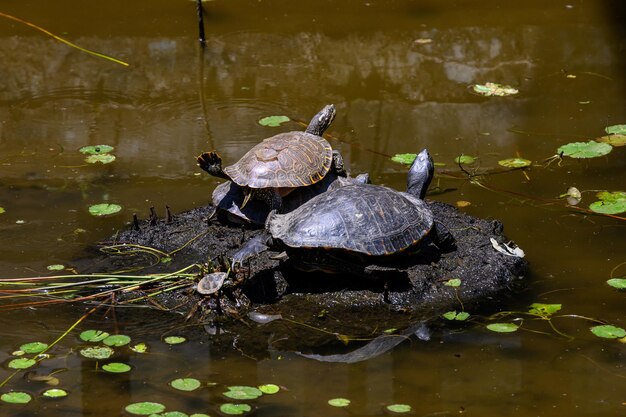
x,y
368,219
292,159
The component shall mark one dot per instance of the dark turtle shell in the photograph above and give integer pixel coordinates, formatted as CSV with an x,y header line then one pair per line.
x,y
372,220
292,159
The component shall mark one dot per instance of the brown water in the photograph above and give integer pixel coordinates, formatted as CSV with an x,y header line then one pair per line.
x,y
393,96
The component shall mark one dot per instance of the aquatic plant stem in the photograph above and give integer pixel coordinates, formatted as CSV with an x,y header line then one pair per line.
x,y
60,39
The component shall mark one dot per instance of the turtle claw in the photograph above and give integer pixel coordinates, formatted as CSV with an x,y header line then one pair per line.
x,y
211,162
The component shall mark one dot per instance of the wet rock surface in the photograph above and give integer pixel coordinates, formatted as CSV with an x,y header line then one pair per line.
x,y
315,309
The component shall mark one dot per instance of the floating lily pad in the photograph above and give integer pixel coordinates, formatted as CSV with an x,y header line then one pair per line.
x,y
54,393
199,415
404,158
116,367
589,149
185,384
608,332
339,402
105,158
34,347
613,140
399,408
239,392
139,348
610,202
96,149
544,310
454,282
93,335
273,121
97,352
502,327
493,89
21,363
55,267
104,209
16,397
235,409
117,340
269,388
515,163
171,414
616,130
453,315
2,210
619,283
174,340
465,159
145,408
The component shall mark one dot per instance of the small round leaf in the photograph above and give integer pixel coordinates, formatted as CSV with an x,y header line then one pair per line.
x,y
502,327
93,335
104,209
145,408
269,388
589,149
185,384
240,392
608,332
619,283
273,121
16,397
96,149
174,340
515,163
97,352
399,408
116,367
465,159
21,363
616,130
235,409
117,340
106,158
55,267
54,393
34,347
613,140
404,158
339,402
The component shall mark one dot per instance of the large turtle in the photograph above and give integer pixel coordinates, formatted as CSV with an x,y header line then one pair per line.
x,y
281,163
356,228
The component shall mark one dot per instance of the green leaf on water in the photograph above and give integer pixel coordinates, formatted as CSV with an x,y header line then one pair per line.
x,y
55,267
93,335
269,388
185,384
96,149
589,149
145,408
116,367
404,158
544,310
34,347
139,348
21,363
610,202
235,409
399,408
502,327
97,352
104,209
199,415
616,130
454,282
619,283
465,159
240,392
339,402
54,393
613,140
174,340
515,163
171,414
493,89
273,121
2,210
105,158
117,340
608,332
16,397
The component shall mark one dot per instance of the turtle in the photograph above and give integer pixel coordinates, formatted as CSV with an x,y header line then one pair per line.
x,y
356,229
228,198
279,164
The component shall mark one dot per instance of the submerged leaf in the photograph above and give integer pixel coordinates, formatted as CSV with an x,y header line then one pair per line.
x,y
106,158
145,408
493,89
613,140
174,340
404,158
515,163
339,402
399,408
55,267
608,332
104,209
589,149
502,327
465,159
273,121
544,310
239,392
619,283
616,130
97,352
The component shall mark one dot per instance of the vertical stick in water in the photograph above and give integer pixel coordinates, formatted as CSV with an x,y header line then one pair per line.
x,y
200,11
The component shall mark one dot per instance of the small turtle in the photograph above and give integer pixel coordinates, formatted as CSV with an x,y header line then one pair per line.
x,y
356,228
281,163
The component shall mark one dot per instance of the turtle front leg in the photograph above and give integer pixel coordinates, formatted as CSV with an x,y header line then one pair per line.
x,y
338,166
253,247
212,163
442,237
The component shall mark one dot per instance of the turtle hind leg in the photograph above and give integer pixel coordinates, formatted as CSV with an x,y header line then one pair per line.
x,y
212,163
442,237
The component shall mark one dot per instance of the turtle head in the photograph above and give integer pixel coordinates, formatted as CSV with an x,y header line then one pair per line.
x,y
420,175
320,122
